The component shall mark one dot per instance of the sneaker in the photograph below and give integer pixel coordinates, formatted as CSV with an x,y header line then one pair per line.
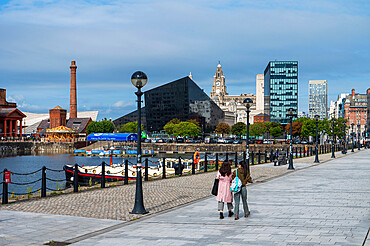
x,y
230,214
247,214
221,215
236,217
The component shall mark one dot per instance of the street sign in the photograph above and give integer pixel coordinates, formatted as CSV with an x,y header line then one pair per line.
x,y
7,177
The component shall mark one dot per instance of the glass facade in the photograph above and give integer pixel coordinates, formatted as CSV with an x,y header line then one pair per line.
x,y
318,99
182,99
281,89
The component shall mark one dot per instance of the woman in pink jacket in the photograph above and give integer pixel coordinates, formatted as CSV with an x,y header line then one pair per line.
x,y
224,194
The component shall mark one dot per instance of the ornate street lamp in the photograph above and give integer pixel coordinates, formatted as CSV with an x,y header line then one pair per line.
x,y
317,117
248,103
332,142
353,138
139,80
359,136
291,113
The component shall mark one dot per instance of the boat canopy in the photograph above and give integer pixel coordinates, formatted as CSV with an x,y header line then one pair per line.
x,y
112,137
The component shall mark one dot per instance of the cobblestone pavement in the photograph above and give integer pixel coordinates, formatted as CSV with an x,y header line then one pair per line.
x,y
324,205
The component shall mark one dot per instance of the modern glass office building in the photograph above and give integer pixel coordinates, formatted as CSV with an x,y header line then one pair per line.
x,y
281,90
182,99
318,99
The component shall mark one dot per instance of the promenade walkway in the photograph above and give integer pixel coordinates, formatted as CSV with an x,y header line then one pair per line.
x,y
326,204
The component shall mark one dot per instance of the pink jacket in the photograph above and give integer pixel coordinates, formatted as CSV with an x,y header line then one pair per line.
x,y
224,194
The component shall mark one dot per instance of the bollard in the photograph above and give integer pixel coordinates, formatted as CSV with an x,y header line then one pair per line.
x,y
244,156
227,157
205,162
126,172
236,160
180,167
300,151
146,178
216,161
252,156
102,183
271,155
265,155
75,179
259,156
5,190
164,168
43,182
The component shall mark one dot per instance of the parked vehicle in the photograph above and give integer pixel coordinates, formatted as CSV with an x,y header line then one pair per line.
x,y
266,141
229,140
180,140
220,140
148,140
237,141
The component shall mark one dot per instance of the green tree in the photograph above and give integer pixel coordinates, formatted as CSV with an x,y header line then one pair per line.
x,y
223,128
296,128
103,126
170,126
276,131
257,129
238,128
186,129
130,127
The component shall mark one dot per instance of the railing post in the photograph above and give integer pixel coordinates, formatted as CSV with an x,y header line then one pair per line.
x,y
205,162
227,157
216,161
164,168
103,174
271,155
5,190
180,166
300,151
259,156
126,172
265,155
43,182
236,159
244,156
75,179
252,156
146,178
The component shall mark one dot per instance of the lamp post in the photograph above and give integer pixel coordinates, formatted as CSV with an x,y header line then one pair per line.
x,y
139,80
359,136
353,138
291,113
344,138
317,140
365,136
248,103
332,142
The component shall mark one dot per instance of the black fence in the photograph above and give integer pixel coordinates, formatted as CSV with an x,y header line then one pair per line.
x,y
211,161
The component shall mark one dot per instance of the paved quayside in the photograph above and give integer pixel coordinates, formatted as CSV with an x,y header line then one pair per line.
x,y
327,204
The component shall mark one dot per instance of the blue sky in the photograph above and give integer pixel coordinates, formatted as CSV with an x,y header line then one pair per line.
x,y
168,39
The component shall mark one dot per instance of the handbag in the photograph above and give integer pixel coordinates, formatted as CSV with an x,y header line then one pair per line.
x,y
215,187
236,185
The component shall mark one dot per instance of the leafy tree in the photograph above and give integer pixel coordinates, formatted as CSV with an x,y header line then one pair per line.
x,y
130,127
223,128
238,128
103,126
296,128
257,129
170,126
186,129
276,131
193,121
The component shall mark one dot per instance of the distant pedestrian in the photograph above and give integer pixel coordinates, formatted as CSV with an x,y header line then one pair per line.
x,y
244,177
224,194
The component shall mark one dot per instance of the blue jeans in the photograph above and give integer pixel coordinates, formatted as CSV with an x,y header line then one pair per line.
x,y
243,194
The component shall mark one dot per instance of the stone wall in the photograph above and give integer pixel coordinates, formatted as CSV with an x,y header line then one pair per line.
x,y
21,148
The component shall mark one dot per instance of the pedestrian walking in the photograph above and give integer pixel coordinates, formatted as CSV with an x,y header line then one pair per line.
x,y
224,194
245,178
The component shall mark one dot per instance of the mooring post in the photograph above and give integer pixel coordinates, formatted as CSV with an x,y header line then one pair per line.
x,y
43,182
180,166
103,174
252,156
193,167
236,159
75,178
126,172
164,168
216,161
5,189
205,162
146,178
259,156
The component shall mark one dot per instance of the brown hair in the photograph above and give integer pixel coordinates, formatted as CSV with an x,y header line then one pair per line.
x,y
225,168
244,166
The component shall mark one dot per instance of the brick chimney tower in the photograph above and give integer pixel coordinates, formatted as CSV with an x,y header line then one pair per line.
x,y
73,95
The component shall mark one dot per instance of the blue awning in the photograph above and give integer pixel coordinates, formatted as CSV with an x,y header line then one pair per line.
x,y
112,137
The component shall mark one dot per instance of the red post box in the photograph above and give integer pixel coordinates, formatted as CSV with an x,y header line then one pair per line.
x,y
7,177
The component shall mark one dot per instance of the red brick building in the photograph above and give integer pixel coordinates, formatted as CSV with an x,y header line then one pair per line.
x,y
10,117
355,110
261,118
58,117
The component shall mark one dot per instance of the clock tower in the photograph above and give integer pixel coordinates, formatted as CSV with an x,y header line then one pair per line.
x,y
219,87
